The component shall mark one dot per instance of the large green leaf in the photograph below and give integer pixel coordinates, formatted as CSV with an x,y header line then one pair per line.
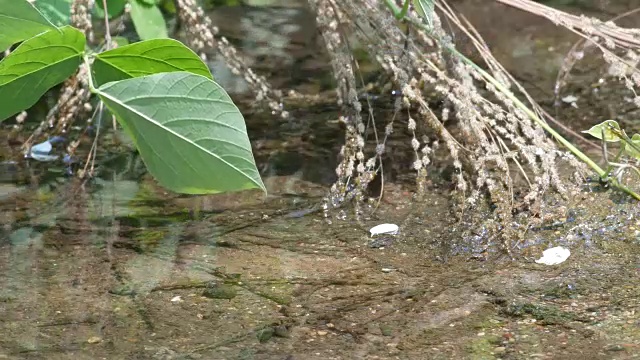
x,y
147,58
148,21
114,8
36,66
190,135
57,11
19,20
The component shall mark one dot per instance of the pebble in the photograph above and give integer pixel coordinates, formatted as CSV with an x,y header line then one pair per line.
x,y
220,292
281,331
322,332
381,242
500,350
614,347
94,340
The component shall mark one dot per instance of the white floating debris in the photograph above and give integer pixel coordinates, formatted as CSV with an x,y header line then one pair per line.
x,y
384,229
176,299
554,256
40,152
570,99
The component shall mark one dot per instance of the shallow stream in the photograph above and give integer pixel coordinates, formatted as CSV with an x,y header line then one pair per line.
x,y
116,268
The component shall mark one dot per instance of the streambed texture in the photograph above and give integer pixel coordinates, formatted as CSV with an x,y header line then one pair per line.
x,y
136,278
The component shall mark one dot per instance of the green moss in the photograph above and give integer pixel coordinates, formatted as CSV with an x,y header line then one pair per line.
x,y
487,323
265,334
559,291
150,237
386,330
482,347
545,315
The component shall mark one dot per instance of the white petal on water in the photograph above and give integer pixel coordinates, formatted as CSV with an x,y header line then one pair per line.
x,y
554,256
384,229
40,152
42,148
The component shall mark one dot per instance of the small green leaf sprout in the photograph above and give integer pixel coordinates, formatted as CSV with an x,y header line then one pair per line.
x,y
609,131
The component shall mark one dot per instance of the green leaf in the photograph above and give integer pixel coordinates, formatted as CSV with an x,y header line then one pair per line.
x,y
425,8
19,20
168,6
148,21
37,65
120,41
190,135
608,128
147,58
114,8
633,148
57,11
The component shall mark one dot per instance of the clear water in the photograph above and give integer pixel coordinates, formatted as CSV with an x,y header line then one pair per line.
x,y
116,268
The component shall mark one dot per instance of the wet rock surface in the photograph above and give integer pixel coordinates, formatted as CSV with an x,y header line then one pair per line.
x,y
297,287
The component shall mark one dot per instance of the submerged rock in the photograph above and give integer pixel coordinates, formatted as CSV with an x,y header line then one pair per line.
x,y
220,292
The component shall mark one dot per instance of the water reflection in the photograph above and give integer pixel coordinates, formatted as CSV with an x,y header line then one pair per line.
x,y
120,269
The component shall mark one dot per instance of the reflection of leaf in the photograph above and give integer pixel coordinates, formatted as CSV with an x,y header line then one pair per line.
x,y
633,149
115,198
607,128
147,58
148,21
190,135
36,66
19,20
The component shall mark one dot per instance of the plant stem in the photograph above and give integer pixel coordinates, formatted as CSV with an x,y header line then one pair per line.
x,y
107,31
403,12
579,154
89,77
399,14
395,9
